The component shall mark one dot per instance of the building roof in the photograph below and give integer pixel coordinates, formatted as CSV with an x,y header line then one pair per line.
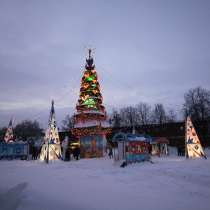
x,y
159,140
120,136
130,137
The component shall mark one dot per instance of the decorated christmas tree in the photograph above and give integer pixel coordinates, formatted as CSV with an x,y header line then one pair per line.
x,y
9,133
193,145
90,125
90,95
51,149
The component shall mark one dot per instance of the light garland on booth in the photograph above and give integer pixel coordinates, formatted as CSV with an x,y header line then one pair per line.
x,y
91,131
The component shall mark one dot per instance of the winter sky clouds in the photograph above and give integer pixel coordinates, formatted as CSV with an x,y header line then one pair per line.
x,y
151,51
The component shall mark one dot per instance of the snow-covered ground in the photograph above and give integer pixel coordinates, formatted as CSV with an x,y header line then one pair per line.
x,y
171,183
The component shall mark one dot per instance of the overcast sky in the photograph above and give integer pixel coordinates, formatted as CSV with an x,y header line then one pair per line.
x,y
150,51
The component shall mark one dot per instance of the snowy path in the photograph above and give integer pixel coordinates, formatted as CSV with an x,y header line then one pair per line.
x,y
97,184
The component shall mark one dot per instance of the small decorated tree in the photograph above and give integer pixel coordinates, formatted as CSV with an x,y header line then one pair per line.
x,y
51,149
9,133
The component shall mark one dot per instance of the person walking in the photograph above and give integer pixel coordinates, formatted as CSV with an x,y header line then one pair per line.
x,y
110,153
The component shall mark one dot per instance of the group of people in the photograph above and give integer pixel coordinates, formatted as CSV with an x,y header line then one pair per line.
x,y
180,150
35,151
69,153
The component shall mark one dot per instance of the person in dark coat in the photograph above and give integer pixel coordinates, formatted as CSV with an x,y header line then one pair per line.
x,y
33,152
150,148
110,153
67,155
76,153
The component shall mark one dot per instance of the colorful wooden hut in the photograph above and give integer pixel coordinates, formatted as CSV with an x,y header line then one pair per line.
x,y
131,147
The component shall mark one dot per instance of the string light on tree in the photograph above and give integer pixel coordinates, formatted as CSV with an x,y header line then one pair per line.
x,y
90,125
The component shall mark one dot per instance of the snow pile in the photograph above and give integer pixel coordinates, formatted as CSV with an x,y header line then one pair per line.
x,y
97,184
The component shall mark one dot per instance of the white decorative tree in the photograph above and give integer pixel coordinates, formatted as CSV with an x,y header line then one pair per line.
x,y
9,133
51,149
193,145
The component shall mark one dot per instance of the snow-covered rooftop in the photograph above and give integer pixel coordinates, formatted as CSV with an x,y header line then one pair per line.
x,y
92,123
130,137
92,112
